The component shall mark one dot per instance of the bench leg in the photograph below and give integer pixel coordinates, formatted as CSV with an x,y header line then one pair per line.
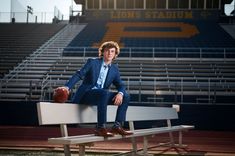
x,y
67,150
134,144
64,133
81,150
171,138
180,138
181,145
145,148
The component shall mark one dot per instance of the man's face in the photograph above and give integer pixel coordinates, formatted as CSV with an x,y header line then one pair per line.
x,y
109,54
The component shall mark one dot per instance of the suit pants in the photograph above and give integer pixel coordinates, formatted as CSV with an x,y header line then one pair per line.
x,y
102,98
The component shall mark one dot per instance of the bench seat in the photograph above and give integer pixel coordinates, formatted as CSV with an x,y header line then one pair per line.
x,y
81,139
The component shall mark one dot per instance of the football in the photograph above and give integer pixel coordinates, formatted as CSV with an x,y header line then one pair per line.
x,y
60,95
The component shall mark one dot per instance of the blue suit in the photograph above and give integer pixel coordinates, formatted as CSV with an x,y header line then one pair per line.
x,y
101,97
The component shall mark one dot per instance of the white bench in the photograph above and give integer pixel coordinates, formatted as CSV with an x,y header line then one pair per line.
x,y
64,114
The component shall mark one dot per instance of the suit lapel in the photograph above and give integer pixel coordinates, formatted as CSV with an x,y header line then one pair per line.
x,y
108,77
97,70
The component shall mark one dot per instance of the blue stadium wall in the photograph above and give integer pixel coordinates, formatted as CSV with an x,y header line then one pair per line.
x,y
204,117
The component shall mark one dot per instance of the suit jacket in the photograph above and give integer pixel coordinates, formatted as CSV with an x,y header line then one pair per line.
x,y
89,73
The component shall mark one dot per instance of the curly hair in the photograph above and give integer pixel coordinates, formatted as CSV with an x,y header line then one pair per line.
x,y
108,45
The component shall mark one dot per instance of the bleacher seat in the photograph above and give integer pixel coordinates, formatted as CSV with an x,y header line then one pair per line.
x,y
163,81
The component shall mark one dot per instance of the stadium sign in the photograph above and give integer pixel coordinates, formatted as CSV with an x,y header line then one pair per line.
x,y
151,15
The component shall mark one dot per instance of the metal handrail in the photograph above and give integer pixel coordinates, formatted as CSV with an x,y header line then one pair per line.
x,y
175,88
45,82
153,52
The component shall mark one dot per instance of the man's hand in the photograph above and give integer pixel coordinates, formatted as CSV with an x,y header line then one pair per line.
x,y
61,94
117,100
63,87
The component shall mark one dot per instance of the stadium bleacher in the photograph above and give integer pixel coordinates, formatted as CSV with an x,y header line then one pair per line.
x,y
150,81
24,82
18,41
155,70
161,69
190,62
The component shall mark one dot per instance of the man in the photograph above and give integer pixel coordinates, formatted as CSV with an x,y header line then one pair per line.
x,y
97,75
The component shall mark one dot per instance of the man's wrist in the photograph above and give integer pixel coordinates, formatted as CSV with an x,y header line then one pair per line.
x,y
121,93
66,87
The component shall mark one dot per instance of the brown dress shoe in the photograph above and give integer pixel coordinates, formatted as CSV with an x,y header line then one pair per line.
x,y
121,131
103,132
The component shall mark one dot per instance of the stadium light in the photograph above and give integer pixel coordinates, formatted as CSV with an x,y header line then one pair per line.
x,y
29,11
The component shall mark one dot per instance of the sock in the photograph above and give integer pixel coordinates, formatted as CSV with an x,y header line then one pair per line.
x,y
117,124
100,126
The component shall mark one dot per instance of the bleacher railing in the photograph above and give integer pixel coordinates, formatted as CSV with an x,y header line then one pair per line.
x,y
205,89
36,17
155,52
156,90
200,90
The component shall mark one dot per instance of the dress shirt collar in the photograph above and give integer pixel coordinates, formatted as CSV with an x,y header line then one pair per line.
x,y
105,65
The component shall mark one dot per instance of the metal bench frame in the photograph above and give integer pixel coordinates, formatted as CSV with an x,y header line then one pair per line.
x,y
64,114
